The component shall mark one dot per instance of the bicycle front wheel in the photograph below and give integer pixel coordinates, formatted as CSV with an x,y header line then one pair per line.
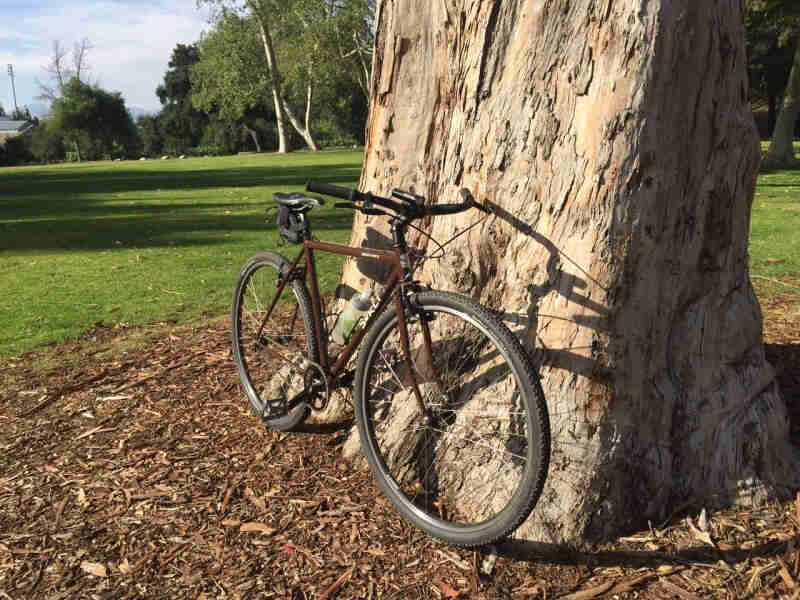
x,y
469,470
272,354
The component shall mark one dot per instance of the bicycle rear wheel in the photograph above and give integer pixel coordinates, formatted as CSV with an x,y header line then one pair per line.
x,y
474,470
272,357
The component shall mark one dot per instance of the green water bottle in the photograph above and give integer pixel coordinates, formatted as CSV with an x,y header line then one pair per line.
x,y
356,308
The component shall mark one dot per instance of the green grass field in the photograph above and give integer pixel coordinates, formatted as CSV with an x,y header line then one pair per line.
x,y
162,241
136,242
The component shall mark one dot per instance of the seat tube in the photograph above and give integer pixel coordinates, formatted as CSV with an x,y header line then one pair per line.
x,y
316,305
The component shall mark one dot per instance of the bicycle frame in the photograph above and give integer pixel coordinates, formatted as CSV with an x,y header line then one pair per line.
x,y
397,275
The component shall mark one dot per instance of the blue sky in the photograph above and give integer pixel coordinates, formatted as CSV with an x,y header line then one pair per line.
x,y
132,41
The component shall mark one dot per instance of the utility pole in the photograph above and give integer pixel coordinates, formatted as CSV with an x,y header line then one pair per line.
x,y
13,89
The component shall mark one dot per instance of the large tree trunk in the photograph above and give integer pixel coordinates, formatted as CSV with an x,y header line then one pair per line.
x,y
615,142
781,149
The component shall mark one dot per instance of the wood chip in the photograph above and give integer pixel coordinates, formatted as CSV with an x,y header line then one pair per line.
x,y
254,527
797,508
785,575
99,429
331,591
96,569
589,593
677,590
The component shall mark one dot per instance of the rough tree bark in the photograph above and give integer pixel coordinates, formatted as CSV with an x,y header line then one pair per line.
x,y
781,148
615,142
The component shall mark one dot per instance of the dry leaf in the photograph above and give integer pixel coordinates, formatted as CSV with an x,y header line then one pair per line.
x,y
702,536
447,590
257,528
96,569
231,522
488,563
125,567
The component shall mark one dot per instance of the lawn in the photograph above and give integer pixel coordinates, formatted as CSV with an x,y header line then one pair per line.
x,y
130,243
775,234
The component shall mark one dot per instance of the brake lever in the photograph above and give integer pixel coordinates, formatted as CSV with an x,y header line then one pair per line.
x,y
371,211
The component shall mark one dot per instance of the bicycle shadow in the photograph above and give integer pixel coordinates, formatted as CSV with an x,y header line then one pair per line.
x,y
524,325
569,285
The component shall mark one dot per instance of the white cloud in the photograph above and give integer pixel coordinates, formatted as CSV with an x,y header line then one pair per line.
x,y
132,43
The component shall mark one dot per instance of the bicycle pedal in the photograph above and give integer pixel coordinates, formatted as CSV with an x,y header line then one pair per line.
x,y
274,410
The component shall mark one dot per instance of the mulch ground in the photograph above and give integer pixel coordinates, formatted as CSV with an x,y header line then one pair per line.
x,y
132,468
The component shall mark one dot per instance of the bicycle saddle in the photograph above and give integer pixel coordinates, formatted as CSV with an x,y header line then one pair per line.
x,y
297,201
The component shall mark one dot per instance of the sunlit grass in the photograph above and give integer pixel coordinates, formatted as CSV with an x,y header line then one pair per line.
x,y
139,242
775,234
142,242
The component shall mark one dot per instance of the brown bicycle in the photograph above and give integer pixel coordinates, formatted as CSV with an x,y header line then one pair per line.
x,y
450,412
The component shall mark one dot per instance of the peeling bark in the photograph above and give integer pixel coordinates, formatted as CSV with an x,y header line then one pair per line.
x,y
615,143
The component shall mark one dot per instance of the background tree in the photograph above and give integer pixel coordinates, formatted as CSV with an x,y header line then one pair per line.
x,y
63,67
230,77
93,121
619,154
262,12
290,58
781,148
773,34
46,144
150,135
180,124
769,55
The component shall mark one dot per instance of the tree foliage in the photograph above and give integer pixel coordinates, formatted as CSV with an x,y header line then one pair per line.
x,y
93,121
304,57
181,126
772,29
230,77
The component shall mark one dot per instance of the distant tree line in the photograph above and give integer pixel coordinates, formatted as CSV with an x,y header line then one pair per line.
x,y
267,76
773,51
277,76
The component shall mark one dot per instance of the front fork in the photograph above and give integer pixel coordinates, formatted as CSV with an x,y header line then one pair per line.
x,y
405,305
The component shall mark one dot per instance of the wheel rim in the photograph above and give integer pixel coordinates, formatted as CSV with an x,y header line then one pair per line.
x,y
465,469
